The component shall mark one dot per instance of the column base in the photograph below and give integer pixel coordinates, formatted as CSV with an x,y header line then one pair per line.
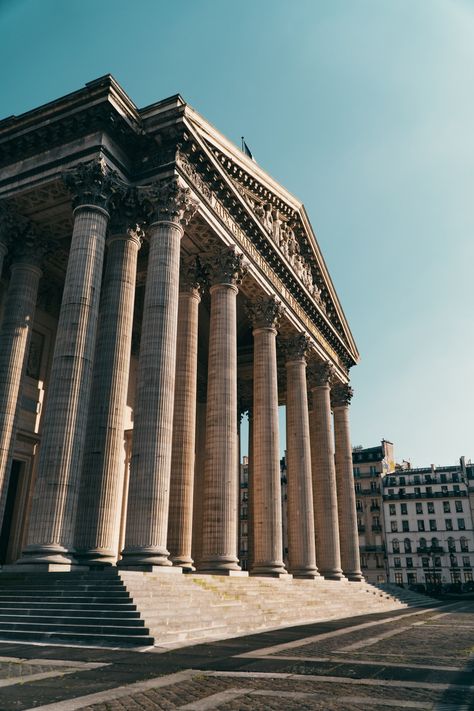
x,y
48,558
185,563
146,556
332,574
219,565
355,577
96,558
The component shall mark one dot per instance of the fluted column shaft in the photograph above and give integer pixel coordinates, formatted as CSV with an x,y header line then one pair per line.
x,y
324,485
147,516
346,501
220,511
54,501
16,327
180,524
198,488
266,484
301,544
3,254
103,470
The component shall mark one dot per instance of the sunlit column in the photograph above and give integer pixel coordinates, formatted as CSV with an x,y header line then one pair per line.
x,y
301,544
266,486
51,529
221,505
324,475
180,523
101,488
341,396
147,514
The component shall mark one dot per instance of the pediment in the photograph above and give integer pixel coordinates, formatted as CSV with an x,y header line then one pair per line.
x,y
283,220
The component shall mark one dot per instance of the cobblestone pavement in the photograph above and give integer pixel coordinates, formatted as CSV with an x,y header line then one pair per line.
x,y
408,659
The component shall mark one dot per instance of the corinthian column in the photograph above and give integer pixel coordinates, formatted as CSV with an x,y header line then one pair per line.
x,y
199,464
301,545
51,530
266,485
98,519
147,514
346,502
180,524
7,227
15,332
219,547
324,475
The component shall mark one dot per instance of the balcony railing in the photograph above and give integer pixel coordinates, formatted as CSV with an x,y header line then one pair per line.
x,y
431,550
424,495
376,527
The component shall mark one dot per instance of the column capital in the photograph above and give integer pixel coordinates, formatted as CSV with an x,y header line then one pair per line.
x,y
265,312
192,277
168,201
128,214
227,266
297,347
31,250
93,183
341,395
7,225
320,374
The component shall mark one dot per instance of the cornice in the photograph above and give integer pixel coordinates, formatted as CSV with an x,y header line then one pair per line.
x,y
101,106
205,177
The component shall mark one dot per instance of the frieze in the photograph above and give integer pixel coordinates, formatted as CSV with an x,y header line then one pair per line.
x,y
251,250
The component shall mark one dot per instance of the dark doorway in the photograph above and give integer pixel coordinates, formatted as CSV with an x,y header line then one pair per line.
x,y
13,486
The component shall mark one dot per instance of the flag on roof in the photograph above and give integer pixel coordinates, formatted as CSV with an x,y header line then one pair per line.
x,y
247,151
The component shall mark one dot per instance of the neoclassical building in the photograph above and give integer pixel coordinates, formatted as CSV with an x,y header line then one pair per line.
x,y
156,284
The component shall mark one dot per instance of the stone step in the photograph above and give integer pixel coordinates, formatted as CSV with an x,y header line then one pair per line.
x,y
68,627
106,600
55,612
96,639
31,619
59,604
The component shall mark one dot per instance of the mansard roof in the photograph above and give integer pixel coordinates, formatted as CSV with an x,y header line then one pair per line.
x,y
143,144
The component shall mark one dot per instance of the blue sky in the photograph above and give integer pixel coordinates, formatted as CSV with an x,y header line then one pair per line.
x,y
364,109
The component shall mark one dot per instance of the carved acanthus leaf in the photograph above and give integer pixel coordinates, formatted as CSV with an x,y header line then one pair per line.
x,y
265,312
320,374
341,395
298,347
93,183
226,267
192,276
169,201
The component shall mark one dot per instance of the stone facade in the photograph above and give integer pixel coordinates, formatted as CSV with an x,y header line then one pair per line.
x,y
429,526
155,283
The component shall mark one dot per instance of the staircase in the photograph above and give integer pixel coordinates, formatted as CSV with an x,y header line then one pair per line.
x,y
193,608
132,609
91,608
410,597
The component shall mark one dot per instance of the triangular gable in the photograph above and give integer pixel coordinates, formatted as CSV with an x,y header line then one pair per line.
x,y
281,216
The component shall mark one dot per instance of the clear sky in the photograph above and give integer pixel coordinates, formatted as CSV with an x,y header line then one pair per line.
x,y
364,109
